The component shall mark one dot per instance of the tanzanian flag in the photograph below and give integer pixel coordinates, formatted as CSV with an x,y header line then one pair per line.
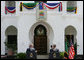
x,y
66,46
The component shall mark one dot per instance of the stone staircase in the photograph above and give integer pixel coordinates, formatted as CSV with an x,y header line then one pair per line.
x,y
42,56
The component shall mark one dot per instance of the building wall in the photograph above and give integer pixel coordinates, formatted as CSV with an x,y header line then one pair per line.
x,y
23,21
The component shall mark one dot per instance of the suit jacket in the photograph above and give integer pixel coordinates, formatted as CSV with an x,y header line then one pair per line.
x,y
31,54
54,54
51,54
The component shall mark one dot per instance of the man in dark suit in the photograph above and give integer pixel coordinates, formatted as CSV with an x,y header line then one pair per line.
x,y
54,53
51,53
31,53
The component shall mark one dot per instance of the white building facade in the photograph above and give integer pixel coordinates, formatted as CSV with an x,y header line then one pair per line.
x,y
58,24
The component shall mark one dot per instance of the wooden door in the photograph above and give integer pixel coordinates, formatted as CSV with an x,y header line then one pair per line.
x,y
41,44
40,40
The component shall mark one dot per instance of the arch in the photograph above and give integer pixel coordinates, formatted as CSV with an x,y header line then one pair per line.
x,y
40,27
72,30
11,38
50,33
70,34
12,28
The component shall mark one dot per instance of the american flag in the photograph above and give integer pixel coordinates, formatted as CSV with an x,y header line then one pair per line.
x,y
71,51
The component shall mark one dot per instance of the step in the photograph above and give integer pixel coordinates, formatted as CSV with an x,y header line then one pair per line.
x,y
42,56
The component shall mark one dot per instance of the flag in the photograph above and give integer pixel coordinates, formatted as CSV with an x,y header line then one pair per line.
x,y
21,6
52,5
76,10
10,9
41,6
29,5
71,51
66,47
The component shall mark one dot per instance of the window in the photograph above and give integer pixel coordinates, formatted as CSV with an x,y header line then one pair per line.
x,y
72,6
10,7
10,3
12,39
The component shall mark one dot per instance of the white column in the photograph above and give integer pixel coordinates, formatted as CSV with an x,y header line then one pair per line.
x,y
23,35
17,8
80,40
2,40
80,8
64,7
2,8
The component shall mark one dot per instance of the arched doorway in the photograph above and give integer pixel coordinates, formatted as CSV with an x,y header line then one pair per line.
x,y
49,33
11,38
70,36
40,39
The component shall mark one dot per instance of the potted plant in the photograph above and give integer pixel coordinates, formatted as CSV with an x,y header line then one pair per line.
x,y
11,46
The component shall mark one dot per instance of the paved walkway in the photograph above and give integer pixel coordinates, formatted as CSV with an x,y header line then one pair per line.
x,y
42,56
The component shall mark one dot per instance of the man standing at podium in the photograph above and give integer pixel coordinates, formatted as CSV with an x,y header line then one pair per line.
x,y
31,53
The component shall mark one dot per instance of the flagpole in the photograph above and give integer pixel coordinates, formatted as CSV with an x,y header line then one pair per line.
x,y
71,40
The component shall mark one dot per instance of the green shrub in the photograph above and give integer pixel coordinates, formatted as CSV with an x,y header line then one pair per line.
x,y
21,56
61,54
11,46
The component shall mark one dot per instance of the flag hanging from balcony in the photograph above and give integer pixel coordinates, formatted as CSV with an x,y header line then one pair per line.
x,y
28,5
60,6
72,9
71,51
20,6
41,6
10,9
54,5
